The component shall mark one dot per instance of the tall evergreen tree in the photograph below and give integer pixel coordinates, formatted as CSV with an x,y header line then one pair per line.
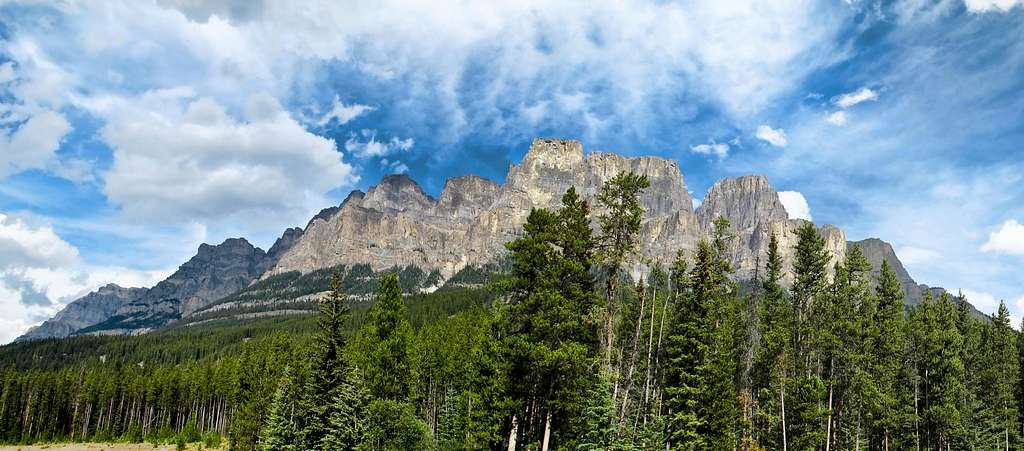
x,y
1002,374
548,320
280,433
327,366
386,340
808,426
771,362
700,394
887,348
620,225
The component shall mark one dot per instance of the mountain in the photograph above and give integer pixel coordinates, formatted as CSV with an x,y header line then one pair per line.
x,y
396,226
86,311
213,273
877,251
395,223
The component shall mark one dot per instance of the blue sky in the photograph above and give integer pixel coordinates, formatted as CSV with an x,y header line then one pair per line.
x,y
130,132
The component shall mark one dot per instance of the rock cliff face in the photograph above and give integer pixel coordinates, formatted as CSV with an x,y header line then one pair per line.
x,y
86,311
877,251
395,223
214,272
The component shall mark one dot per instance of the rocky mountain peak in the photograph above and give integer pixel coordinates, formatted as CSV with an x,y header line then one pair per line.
x,y
466,197
747,201
560,154
397,192
280,247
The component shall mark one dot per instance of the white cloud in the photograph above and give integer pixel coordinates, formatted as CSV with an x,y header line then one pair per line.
x,y
983,301
773,136
7,72
1009,239
837,118
720,150
187,159
852,98
796,205
978,6
40,273
34,144
911,255
373,148
342,113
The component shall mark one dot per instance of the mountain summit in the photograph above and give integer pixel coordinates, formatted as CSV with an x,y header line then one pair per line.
x,y
396,224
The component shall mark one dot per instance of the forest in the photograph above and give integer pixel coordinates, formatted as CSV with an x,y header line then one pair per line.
x,y
561,349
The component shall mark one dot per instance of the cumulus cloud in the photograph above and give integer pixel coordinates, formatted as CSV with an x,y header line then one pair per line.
x,y
31,129
978,6
34,144
720,150
796,205
40,273
1009,239
837,118
773,136
853,98
187,158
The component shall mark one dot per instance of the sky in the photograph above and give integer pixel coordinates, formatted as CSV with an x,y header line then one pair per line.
x,y
131,132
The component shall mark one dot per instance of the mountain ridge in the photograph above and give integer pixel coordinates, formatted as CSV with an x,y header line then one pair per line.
x,y
396,224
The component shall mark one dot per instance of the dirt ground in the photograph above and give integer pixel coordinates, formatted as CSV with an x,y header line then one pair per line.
x,y
98,447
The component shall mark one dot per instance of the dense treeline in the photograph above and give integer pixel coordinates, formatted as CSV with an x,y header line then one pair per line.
x,y
572,353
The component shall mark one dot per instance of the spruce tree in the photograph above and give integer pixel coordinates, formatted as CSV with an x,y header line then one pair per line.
x,y
346,424
807,425
700,394
620,225
887,347
387,339
548,319
326,368
280,432
771,362
999,391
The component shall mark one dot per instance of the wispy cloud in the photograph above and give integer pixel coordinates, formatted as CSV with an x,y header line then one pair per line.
x,y
853,98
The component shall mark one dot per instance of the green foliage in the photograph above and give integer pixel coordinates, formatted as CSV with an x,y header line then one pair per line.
x,y
511,351
385,345
393,425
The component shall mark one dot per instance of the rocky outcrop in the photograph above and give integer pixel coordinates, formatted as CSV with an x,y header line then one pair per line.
x,y
86,311
877,251
395,223
213,273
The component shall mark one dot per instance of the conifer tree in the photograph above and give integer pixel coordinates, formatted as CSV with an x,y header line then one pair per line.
x,y
999,389
807,426
547,323
346,424
387,339
771,364
700,394
620,224
280,433
887,350
327,366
